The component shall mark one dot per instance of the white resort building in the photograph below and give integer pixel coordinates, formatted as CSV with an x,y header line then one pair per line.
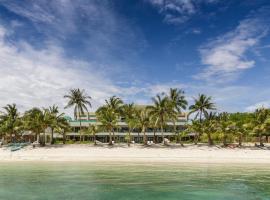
x,y
121,132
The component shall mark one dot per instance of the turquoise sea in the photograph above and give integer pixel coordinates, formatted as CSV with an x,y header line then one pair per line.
x,y
86,181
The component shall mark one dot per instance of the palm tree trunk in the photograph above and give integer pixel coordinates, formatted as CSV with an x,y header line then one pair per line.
x,y
80,129
52,140
44,137
261,140
95,141
175,132
129,137
240,139
210,141
155,141
110,134
64,137
144,136
163,141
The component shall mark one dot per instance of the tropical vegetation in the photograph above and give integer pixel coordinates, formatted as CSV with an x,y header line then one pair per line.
x,y
205,124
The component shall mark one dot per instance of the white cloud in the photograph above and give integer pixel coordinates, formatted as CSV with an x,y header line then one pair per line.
x,y
262,104
225,56
178,11
31,77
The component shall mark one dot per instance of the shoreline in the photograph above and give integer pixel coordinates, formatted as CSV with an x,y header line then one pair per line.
x,y
137,154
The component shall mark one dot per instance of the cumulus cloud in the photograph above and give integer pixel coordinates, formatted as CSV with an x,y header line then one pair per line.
x,y
225,56
178,11
40,78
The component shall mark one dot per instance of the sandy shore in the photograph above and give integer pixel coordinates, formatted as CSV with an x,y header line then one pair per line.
x,y
138,153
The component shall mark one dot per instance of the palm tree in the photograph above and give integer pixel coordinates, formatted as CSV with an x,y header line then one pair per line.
x,y
161,110
93,129
201,106
143,120
178,103
46,120
210,126
114,103
108,118
32,122
80,100
56,118
62,127
128,112
261,123
224,126
10,120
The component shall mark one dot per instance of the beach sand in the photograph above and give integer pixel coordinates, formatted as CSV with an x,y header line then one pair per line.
x,y
138,153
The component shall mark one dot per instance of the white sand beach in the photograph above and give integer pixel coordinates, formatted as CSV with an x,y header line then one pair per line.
x,y
138,153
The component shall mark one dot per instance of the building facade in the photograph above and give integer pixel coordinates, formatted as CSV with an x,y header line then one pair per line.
x,y
120,133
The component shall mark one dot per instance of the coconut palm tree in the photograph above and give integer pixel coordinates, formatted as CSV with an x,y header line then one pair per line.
x,y
201,106
10,120
178,103
143,121
161,110
128,112
56,119
209,126
114,103
80,100
108,119
261,123
46,120
93,129
62,127
32,122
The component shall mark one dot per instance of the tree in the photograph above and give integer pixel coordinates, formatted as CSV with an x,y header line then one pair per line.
x,y
143,121
178,103
161,110
261,123
32,122
224,126
46,120
108,119
56,119
93,129
114,103
10,120
80,100
128,112
201,106
209,126
62,127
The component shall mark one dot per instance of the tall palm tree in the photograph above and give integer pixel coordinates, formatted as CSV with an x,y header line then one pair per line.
x,y
143,120
201,106
56,119
161,110
178,103
46,120
80,100
108,118
11,121
114,103
128,112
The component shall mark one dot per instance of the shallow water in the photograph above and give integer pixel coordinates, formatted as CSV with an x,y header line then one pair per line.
x,y
53,181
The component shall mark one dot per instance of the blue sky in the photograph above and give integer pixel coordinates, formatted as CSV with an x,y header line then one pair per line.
x,y
135,49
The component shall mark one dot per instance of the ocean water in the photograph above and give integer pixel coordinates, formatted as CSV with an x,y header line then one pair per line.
x,y
87,181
